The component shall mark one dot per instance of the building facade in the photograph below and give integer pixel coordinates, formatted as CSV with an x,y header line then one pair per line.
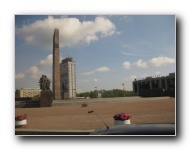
x,y
151,83
68,78
20,93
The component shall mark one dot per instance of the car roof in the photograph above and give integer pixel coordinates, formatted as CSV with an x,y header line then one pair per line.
x,y
137,129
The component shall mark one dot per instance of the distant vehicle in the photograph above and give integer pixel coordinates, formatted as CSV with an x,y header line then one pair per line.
x,y
137,129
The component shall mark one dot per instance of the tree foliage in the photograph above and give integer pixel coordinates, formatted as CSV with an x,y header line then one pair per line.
x,y
108,93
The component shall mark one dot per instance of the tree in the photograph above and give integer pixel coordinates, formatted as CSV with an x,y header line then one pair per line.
x,y
108,93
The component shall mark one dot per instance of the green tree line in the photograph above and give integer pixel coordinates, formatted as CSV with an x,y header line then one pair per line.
x,y
107,93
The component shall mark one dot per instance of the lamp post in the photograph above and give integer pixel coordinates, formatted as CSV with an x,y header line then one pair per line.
x,y
96,92
123,89
123,86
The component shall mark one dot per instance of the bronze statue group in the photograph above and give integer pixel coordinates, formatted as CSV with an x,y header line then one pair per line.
x,y
44,83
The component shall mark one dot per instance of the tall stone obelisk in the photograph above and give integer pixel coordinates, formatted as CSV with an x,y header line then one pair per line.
x,y
56,66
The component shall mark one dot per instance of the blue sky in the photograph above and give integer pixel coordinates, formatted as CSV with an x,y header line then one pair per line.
x,y
108,50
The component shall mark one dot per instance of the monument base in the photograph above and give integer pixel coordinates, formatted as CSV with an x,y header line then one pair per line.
x,y
46,98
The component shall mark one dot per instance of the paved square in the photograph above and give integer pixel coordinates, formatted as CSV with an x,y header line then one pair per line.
x,y
70,115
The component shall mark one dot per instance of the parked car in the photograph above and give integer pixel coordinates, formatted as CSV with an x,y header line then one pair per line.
x,y
137,129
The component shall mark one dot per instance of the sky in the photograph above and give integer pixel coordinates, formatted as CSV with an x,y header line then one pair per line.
x,y
109,50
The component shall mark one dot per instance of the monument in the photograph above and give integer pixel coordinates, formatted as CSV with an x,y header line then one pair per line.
x,y
44,83
46,93
56,66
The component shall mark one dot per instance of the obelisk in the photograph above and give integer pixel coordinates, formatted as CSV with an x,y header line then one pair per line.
x,y
56,66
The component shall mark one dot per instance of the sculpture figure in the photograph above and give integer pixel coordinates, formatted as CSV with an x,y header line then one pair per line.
x,y
44,83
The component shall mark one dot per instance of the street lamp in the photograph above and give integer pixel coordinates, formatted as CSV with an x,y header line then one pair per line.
x,y
123,86
123,89
96,92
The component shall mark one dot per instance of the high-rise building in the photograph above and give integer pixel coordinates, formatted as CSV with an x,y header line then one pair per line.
x,y
68,78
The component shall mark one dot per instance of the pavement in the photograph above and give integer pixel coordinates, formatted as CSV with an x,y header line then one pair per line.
x,y
103,100
68,117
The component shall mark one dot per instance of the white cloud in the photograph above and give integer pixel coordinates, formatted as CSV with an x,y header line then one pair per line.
x,y
126,18
94,80
127,65
131,54
89,80
119,32
132,78
161,61
88,73
141,64
127,54
47,61
35,71
20,75
101,69
156,62
144,75
71,31
157,72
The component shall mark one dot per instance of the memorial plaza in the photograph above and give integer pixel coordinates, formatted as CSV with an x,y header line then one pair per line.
x,y
71,116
